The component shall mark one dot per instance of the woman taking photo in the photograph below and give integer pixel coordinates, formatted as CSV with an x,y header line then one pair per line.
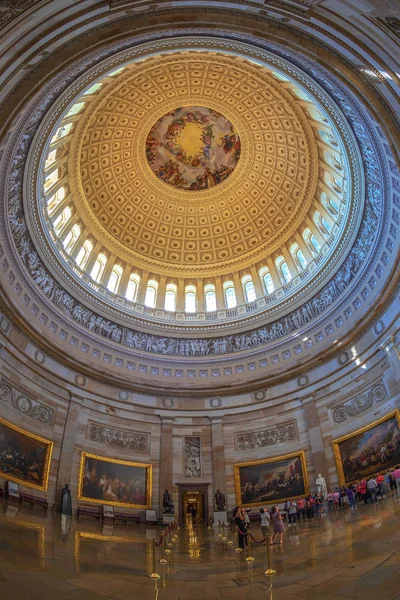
x,y
241,528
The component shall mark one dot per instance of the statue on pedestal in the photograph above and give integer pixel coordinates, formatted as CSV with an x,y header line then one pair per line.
x,y
168,505
321,486
66,502
219,500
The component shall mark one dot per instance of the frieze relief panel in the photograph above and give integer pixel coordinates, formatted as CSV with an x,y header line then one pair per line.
x,y
360,403
121,438
192,457
249,440
26,405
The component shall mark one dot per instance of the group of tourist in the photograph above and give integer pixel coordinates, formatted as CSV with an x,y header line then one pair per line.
x,y
360,492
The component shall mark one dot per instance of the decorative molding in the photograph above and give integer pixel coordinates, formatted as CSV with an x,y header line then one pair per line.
x,y
343,358
279,434
121,438
303,380
80,380
192,456
215,402
27,406
360,403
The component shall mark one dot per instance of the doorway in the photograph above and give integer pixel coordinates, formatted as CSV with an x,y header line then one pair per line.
x,y
193,503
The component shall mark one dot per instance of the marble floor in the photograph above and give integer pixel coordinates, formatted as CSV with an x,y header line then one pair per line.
x,y
353,554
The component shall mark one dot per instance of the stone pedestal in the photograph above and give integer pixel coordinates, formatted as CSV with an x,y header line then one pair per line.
x,y
168,519
220,516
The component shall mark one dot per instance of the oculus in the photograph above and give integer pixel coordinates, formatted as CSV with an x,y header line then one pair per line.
x,y
193,148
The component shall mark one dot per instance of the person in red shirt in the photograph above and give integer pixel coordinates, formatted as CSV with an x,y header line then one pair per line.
x,y
396,475
379,480
301,508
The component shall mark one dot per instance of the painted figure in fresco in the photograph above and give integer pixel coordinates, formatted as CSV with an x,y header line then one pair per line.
x,y
219,500
168,505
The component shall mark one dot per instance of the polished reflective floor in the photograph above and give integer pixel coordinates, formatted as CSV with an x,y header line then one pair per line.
x,y
349,554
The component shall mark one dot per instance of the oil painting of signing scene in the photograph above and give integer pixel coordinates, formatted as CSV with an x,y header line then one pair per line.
x,y
370,450
114,482
271,480
24,457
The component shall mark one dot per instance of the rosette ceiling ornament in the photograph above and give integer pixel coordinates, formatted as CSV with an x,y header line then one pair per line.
x,y
195,164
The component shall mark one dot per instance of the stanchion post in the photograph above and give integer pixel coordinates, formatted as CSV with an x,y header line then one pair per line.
x,y
154,574
170,544
230,543
269,571
219,529
238,549
249,558
163,561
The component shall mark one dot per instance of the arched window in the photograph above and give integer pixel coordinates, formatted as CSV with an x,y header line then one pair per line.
x,y
190,299
210,298
266,278
55,200
229,293
75,109
51,157
51,179
151,293
62,220
71,238
115,279
298,257
61,132
283,270
170,297
98,267
132,287
83,254
322,224
94,88
248,287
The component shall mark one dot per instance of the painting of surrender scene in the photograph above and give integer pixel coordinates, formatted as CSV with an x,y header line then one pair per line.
x,y
115,482
24,457
193,148
271,480
369,450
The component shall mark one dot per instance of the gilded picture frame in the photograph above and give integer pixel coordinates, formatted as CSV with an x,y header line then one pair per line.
x,y
19,442
253,470
348,472
98,483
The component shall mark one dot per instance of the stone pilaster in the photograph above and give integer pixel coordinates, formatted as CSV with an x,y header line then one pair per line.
x,y
392,348
316,440
218,456
68,444
166,460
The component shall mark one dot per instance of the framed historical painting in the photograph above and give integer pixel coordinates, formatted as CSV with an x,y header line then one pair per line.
x,y
24,457
271,480
369,450
114,482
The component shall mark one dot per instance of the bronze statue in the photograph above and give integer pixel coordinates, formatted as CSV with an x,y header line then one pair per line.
x,y
219,500
168,505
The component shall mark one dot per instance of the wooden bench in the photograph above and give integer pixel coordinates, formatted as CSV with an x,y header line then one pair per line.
x,y
127,517
34,500
86,511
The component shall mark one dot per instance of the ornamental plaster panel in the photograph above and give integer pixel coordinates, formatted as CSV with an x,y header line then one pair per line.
x,y
119,438
279,434
29,407
359,404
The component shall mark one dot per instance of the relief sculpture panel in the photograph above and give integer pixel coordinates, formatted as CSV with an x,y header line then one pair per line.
x,y
192,456
278,434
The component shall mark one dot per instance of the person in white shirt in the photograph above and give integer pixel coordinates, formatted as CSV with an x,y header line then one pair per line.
x,y
265,524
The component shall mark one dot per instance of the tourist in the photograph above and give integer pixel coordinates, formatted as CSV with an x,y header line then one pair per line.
x,y
391,481
292,513
396,475
379,481
265,524
351,498
363,486
331,501
372,487
301,508
241,528
279,526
